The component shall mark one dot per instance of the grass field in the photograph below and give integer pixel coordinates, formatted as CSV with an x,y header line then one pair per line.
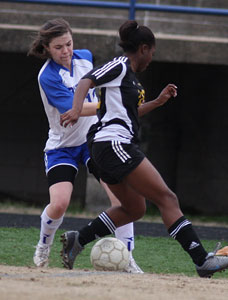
x,y
154,255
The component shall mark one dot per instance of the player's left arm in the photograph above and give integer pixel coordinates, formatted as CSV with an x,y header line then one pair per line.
x,y
169,91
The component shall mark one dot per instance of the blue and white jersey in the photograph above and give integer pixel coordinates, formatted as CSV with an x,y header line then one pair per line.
x,y
57,86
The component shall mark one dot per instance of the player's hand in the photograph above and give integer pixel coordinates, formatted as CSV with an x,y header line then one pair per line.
x,y
169,91
70,117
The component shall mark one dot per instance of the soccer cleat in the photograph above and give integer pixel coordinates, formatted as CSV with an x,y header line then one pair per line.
x,y
71,248
132,267
212,264
41,255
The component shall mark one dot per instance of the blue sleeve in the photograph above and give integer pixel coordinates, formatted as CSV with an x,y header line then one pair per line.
x,y
57,94
84,54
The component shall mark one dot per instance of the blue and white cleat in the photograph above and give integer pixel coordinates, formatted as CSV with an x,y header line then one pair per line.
x,y
212,264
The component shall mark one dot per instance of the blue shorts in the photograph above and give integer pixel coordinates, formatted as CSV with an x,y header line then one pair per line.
x,y
69,156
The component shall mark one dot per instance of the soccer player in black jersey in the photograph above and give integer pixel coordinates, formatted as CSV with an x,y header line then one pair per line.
x,y
118,159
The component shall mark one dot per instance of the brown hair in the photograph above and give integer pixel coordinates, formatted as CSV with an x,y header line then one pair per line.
x,y
132,36
51,29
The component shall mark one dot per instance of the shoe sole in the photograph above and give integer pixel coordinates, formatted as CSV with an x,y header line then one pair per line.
x,y
42,265
209,275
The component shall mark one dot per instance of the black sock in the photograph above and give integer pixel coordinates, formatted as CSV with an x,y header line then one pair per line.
x,y
99,227
183,232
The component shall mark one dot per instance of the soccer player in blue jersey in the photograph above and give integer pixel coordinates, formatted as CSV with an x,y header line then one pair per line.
x,y
113,145
66,147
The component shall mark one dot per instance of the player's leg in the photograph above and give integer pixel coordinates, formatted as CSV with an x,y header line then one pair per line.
x,y
60,181
113,199
144,180
124,233
51,219
132,205
147,181
74,241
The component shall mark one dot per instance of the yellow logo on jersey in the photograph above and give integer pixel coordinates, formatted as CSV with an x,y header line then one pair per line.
x,y
98,104
141,96
99,99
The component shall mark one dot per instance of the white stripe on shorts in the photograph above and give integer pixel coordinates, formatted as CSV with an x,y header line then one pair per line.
x,y
120,152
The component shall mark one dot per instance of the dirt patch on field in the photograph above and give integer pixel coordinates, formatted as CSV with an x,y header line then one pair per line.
x,y
21,283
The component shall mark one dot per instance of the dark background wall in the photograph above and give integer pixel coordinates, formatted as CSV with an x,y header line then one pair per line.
x,y
186,139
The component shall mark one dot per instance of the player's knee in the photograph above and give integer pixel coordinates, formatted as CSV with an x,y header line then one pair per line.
x,y
138,212
60,206
171,200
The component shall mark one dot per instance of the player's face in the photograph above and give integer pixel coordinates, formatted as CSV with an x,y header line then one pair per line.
x,y
145,57
61,49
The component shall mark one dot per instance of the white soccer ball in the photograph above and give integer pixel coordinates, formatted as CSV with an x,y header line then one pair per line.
x,y
109,254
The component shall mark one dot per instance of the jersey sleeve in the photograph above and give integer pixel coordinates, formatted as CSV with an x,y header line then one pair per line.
x,y
57,94
84,54
107,75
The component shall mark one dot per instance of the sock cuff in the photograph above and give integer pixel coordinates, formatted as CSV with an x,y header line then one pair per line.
x,y
107,221
53,222
178,226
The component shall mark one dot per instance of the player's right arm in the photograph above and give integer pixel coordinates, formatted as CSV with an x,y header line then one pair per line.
x,y
89,109
71,116
105,75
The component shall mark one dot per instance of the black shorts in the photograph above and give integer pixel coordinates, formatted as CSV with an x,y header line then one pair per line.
x,y
115,160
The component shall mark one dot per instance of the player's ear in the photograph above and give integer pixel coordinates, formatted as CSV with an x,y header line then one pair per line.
x,y
46,50
144,48
45,47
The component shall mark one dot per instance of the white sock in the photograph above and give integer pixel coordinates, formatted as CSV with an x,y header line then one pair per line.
x,y
125,233
48,228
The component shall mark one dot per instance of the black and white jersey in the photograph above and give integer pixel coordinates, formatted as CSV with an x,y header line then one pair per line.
x,y
119,97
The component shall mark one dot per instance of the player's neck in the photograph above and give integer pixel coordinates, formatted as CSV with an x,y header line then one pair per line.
x,y
67,66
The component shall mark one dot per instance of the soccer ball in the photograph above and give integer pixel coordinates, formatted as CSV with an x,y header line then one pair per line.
x,y
109,254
